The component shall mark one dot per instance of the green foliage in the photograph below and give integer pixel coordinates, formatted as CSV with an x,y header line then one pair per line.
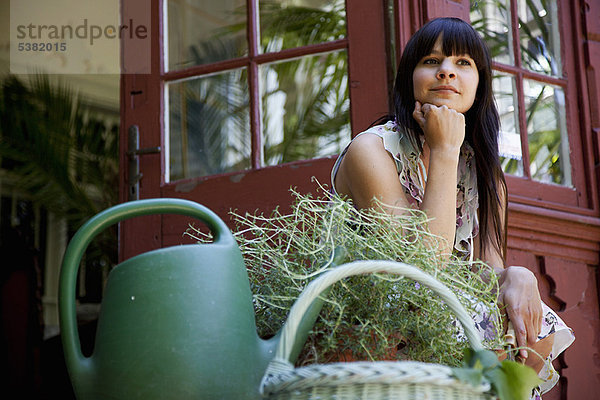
x,y
287,26
304,101
57,153
365,317
539,53
211,114
509,379
316,107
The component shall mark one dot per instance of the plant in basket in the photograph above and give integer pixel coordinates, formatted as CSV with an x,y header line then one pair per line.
x,y
367,317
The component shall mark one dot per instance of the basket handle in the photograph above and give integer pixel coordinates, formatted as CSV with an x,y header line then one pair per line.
x,y
328,278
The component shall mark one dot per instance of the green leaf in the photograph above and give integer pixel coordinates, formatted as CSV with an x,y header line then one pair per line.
x,y
513,381
509,379
472,376
481,359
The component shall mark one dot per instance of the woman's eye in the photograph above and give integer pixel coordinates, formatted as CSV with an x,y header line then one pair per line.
x,y
464,62
430,61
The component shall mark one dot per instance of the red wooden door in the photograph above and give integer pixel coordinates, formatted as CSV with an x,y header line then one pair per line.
x,y
259,185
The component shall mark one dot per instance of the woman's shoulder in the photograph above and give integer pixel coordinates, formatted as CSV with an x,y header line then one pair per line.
x,y
386,129
372,139
365,146
374,146
396,140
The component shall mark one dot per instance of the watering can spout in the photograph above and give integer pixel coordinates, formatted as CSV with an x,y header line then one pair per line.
x,y
306,324
340,256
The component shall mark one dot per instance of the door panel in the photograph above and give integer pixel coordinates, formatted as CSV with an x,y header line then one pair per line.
x,y
255,191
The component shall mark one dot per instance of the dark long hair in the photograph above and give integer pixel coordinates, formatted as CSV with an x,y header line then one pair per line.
x,y
482,120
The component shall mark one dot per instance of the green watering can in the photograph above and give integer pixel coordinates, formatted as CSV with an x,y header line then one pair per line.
x,y
175,323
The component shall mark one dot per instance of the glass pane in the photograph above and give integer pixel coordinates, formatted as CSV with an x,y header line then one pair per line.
x,y
293,23
208,125
204,31
511,155
305,107
492,20
547,133
539,35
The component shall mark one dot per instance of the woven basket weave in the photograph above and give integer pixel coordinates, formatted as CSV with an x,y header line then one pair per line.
x,y
406,380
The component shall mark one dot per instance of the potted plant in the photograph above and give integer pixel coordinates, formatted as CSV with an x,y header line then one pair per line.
x,y
366,317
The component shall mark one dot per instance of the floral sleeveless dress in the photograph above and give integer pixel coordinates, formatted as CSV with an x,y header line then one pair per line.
x,y
413,177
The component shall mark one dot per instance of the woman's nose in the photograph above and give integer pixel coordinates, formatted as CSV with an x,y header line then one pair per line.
x,y
446,70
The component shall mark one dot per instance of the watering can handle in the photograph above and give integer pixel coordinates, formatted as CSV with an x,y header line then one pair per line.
x,y
314,289
85,234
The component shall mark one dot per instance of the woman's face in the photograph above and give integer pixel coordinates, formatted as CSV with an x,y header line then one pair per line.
x,y
446,80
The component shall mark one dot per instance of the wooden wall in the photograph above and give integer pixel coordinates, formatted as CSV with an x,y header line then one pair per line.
x,y
563,254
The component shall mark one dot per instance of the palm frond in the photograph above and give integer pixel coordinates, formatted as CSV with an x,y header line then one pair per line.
x,y
55,151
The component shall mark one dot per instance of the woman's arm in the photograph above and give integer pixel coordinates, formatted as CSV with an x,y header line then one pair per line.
x,y
368,171
518,291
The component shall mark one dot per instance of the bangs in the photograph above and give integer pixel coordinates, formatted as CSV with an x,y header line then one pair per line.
x,y
463,41
458,38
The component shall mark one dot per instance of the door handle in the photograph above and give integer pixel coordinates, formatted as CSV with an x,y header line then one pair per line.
x,y
133,153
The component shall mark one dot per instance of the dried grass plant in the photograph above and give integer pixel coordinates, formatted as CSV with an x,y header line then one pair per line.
x,y
366,317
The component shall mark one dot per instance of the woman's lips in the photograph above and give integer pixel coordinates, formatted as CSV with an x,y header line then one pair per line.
x,y
445,89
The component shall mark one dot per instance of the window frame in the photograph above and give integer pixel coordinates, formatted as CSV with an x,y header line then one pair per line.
x,y
582,198
524,189
254,59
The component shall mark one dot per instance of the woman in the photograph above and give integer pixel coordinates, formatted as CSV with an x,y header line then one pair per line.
x,y
439,152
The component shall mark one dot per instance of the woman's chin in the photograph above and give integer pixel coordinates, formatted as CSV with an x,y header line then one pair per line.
x,y
448,103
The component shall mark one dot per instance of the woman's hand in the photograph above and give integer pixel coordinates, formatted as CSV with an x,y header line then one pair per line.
x,y
444,128
519,293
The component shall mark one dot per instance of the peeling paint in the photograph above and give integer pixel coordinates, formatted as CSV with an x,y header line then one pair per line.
x,y
237,178
298,166
186,187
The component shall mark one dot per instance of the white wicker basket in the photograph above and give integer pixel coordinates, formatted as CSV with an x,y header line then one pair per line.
x,y
406,380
